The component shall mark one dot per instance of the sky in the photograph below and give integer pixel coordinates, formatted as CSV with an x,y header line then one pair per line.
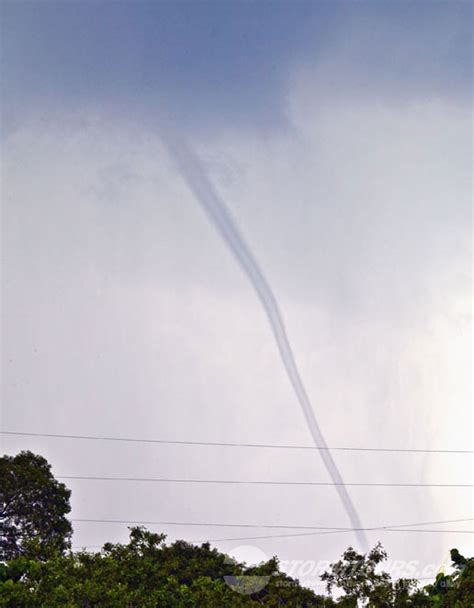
x,y
339,136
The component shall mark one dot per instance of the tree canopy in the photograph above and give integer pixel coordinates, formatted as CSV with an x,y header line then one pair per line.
x,y
33,508
148,573
38,568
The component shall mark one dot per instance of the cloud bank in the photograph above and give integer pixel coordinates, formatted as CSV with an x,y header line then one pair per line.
x,y
124,314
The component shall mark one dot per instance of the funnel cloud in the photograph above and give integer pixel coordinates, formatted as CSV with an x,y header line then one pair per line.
x,y
195,177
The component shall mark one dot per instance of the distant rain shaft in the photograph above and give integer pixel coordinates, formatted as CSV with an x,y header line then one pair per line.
x,y
195,177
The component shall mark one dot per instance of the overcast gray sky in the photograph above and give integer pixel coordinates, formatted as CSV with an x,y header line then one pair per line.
x,y
340,138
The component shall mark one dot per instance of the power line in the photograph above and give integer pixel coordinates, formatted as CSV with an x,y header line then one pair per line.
x,y
271,526
321,530
390,528
264,482
326,532
235,445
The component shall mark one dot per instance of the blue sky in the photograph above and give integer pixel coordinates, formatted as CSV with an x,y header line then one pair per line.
x,y
339,137
211,62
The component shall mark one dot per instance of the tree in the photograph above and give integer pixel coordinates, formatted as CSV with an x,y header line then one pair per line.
x,y
146,573
33,508
37,571
356,574
455,590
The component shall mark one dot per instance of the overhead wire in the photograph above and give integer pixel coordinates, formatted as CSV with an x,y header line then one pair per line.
x,y
234,444
270,526
263,482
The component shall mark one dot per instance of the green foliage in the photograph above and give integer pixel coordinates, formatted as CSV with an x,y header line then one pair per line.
x,y
33,508
454,590
37,572
357,576
145,573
